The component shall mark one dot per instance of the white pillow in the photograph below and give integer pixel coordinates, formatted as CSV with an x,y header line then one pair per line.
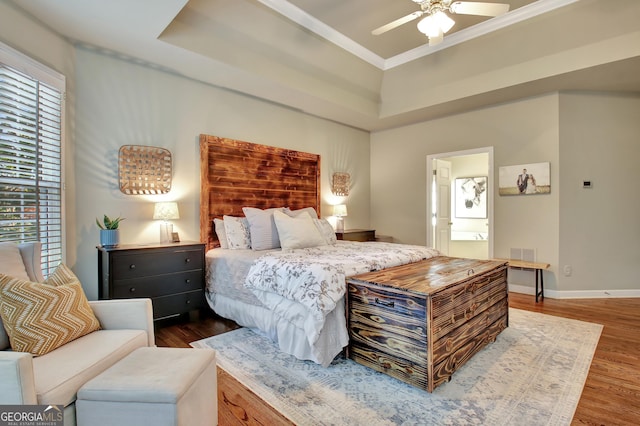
x,y
295,213
264,235
221,233
237,230
297,232
326,230
11,262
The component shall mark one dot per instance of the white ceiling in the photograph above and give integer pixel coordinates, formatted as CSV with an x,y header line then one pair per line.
x,y
319,55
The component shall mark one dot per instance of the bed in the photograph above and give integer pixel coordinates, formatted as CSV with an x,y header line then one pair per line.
x,y
273,263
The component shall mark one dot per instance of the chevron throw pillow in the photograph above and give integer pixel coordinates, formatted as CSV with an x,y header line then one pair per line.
x,y
40,317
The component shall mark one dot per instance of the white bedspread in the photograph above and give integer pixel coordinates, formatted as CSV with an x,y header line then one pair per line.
x,y
315,277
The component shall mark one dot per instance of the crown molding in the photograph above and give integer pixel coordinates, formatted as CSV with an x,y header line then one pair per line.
x,y
313,24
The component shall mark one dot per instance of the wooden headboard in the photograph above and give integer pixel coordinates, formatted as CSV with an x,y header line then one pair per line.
x,y
236,174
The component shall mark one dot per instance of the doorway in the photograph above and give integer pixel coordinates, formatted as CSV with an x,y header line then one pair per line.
x,y
450,228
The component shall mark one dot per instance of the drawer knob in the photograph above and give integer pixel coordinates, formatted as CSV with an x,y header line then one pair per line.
x,y
389,304
187,260
188,302
132,290
187,281
132,266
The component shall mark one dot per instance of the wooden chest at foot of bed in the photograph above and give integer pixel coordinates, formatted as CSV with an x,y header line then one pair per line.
x,y
420,322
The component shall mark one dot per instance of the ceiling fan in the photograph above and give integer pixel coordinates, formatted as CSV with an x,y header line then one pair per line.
x,y
436,23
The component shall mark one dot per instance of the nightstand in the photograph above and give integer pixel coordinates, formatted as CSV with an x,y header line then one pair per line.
x,y
171,274
357,235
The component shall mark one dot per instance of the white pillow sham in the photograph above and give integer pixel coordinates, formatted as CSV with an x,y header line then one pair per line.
x,y
264,234
237,230
218,224
326,230
297,232
295,213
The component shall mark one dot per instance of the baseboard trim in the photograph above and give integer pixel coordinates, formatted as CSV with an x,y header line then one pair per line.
x,y
577,294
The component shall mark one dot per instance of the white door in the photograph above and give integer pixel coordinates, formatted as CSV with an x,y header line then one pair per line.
x,y
442,197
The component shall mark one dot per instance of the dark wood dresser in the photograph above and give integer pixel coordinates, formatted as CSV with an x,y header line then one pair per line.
x,y
356,235
171,274
420,322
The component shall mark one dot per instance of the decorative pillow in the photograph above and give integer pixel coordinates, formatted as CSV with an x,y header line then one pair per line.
x,y
295,213
327,231
297,232
40,317
237,230
264,235
221,233
11,262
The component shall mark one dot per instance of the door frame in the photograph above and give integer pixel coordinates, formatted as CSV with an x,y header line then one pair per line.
x,y
491,176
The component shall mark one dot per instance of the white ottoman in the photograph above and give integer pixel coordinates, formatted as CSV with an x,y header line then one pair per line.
x,y
153,386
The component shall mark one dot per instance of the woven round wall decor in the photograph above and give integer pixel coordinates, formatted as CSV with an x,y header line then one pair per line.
x,y
144,170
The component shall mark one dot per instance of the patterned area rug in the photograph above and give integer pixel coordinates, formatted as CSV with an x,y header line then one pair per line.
x,y
533,374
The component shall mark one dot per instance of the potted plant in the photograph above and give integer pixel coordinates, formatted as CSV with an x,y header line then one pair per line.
x,y
109,232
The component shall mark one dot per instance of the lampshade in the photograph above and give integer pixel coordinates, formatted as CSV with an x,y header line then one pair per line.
x,y
340,210
434,26
166,211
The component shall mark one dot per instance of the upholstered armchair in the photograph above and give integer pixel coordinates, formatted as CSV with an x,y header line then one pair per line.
x,y
55,377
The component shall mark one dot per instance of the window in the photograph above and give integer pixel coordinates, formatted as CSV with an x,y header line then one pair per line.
x,y
31,106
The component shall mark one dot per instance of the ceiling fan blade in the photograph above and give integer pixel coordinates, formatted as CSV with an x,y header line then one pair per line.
x,y
479,8
397,23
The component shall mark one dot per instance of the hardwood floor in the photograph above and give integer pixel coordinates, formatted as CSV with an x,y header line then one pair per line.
x,y
611,395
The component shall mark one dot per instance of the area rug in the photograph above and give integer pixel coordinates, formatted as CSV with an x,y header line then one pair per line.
x,y
533,374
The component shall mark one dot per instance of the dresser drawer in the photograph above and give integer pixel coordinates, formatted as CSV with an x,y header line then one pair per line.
x,y
133,265
175,304
158,285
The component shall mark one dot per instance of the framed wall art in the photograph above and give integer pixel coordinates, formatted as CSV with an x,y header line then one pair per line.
x,y
525,179
471,197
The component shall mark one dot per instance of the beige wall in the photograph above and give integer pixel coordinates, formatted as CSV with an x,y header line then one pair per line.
x,y
520,132
584,136
600,226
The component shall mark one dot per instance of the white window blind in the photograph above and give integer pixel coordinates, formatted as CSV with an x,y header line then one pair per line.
x,y
30,163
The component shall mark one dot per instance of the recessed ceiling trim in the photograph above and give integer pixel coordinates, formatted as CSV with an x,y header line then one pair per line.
x,y
311,23
518,15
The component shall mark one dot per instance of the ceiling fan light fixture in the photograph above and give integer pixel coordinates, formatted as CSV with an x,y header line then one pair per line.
x,y
428,26
443,21
437,39
435,25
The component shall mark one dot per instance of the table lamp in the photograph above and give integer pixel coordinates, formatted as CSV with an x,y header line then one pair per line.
x,y
166,211
340,211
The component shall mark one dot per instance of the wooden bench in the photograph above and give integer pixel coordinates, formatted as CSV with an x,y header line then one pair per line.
x,y
537,267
